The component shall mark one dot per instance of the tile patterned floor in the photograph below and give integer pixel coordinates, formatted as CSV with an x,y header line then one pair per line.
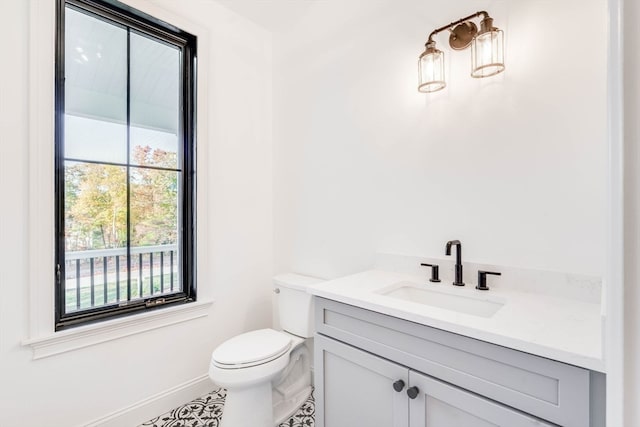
x,y
206,411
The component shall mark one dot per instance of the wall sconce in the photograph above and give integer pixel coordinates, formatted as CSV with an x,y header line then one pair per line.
x,y
487,51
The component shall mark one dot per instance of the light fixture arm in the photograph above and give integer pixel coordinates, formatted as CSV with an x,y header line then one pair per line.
x,y
450,26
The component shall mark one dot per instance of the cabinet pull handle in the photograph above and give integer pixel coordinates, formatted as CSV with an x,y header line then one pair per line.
x,y
413,392
398,386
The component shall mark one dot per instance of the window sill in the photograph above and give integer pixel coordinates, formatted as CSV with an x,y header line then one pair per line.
x,y
85,336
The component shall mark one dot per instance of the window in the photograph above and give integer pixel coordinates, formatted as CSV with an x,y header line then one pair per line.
x,y
124,162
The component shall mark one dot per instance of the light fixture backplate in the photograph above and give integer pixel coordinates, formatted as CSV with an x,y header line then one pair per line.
x,y
462,34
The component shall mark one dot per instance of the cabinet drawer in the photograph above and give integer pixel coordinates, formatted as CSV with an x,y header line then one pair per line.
x,y
544,388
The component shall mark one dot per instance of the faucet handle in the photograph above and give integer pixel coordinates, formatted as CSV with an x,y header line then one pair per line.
x,y
435,272
482,279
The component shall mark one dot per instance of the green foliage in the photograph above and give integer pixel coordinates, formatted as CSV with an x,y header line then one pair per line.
x,y
154,199
96,202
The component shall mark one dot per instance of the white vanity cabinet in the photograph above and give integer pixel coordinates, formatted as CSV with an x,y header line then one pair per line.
x,y
361,357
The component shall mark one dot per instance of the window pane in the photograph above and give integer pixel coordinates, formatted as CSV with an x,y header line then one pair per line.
x,y
95,235
95,278
95,89
95,206
155,102
154,229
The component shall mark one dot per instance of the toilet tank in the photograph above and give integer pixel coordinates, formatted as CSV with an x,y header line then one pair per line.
x,y
295,305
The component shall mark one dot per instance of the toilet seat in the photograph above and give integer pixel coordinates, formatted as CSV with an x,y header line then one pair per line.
x,y
251,349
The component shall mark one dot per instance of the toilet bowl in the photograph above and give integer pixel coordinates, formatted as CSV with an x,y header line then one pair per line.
x,y
267,373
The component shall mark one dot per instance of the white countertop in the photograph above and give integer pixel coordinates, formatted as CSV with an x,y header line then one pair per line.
x,y
562,329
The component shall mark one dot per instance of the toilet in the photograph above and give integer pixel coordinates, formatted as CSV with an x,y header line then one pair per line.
x,y
267,373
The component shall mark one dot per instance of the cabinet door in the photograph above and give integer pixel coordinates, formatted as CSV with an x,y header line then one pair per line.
x,y
355,388
439,404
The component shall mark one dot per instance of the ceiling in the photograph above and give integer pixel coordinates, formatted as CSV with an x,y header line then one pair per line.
x,y
274,15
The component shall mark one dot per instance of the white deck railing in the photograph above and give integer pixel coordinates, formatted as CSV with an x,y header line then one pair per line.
x,y
96,278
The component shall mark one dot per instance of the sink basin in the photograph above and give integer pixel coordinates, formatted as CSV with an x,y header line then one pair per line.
x,y
414,293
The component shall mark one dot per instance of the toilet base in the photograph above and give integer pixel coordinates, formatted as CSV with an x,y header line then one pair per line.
x,y
293,388
286,408
249,407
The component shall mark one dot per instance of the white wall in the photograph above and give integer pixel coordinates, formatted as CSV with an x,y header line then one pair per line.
x,y
632,211
75,388
514,166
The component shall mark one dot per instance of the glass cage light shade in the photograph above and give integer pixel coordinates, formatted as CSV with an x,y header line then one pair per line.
x,y
487,53
431,71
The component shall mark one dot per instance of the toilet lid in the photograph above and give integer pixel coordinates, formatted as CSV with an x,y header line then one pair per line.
x,y
252,348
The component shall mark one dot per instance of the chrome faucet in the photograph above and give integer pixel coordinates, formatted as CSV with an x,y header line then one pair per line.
x,y
458,269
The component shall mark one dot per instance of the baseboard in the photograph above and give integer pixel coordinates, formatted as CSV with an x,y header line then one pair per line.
x,y
155,405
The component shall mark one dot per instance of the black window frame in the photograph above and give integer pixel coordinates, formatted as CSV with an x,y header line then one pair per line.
x,y
122,14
